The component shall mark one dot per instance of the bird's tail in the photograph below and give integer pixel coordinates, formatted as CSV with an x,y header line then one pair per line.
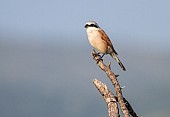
x,y
118,61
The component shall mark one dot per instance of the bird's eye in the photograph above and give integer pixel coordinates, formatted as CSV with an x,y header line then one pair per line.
x,y
92,25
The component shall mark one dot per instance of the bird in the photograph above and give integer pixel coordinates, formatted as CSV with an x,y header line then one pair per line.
x,y
101,42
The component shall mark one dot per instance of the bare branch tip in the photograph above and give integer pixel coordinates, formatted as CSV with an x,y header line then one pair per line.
x,y
95,80
109,65
122,87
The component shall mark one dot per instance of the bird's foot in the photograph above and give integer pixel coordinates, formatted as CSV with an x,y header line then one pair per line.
x,y
99,59
116,76
96,56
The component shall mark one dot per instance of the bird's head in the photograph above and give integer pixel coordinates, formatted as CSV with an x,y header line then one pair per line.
x,y
91,24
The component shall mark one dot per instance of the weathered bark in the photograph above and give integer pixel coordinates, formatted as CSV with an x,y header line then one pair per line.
x,y
113,110
114,81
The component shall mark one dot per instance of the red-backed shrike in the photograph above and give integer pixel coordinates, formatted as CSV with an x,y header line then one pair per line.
x,y
100,41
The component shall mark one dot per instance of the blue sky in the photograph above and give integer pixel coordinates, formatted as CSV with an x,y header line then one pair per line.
x,y
132,22
143,18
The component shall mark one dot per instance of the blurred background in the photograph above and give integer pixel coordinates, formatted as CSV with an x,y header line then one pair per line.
x,y
46,68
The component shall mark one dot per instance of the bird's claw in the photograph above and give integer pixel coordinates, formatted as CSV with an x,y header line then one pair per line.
x,y
116,75
99,59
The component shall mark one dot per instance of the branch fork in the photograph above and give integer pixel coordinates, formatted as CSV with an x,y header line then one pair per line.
x,y
108,96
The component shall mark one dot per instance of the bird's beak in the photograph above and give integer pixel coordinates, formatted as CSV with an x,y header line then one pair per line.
x,y
85,26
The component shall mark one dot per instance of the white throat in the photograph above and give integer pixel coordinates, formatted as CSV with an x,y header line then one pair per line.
x,y
91,29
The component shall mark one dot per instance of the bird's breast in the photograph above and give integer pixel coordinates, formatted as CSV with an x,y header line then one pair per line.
x,y
97,42
93,37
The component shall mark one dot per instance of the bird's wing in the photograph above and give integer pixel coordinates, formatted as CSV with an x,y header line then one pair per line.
x,y
107,40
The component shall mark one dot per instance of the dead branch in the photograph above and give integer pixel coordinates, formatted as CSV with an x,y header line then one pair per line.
x,y
114,81
129,107
109,98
